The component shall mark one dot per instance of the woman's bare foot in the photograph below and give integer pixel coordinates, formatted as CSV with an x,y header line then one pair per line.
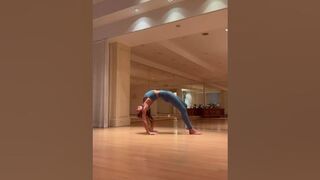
x,y
194,132
151,133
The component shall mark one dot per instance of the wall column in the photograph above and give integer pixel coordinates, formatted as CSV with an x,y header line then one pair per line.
x,y
223,101
119,106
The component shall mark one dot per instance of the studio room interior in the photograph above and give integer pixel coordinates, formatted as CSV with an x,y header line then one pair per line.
x,y
159,90
175,46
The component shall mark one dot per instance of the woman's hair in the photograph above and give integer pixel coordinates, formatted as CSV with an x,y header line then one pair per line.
x,y
148,113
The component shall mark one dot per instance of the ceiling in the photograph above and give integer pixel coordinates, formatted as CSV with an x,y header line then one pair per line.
x,y
202,57
112,19
109,11
176,54
141,74
97,1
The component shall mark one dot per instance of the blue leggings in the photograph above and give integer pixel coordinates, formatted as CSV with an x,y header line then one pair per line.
x,y
176,102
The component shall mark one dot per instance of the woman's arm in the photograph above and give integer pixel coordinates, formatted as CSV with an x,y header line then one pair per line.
x,y
145,121
152,126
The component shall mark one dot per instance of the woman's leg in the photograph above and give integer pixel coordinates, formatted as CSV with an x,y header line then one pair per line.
x,y
184,114
180,105
185,117
177,102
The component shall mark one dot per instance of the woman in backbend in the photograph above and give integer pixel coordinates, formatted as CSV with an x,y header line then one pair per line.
x,y
144,109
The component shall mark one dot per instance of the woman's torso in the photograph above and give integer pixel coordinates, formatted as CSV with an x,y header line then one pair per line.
x,y
155,94
152,95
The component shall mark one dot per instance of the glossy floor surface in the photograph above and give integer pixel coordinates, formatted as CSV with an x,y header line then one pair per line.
x,y
127,153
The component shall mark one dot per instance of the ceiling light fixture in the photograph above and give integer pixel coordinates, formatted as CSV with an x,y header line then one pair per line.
x,y
136,10
226,29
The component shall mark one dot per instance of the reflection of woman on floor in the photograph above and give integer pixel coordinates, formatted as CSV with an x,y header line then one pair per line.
x,y
144,109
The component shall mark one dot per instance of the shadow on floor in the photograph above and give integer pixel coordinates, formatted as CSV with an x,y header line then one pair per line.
x,y
159,133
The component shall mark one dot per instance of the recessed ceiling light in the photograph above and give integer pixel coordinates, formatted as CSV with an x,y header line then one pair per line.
x,y
205,34
144,1
226,29
136,10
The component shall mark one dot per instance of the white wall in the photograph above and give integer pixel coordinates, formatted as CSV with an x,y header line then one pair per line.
x,y
197,98
213,98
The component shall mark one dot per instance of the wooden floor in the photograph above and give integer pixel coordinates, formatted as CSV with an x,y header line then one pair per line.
x,y
127,153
